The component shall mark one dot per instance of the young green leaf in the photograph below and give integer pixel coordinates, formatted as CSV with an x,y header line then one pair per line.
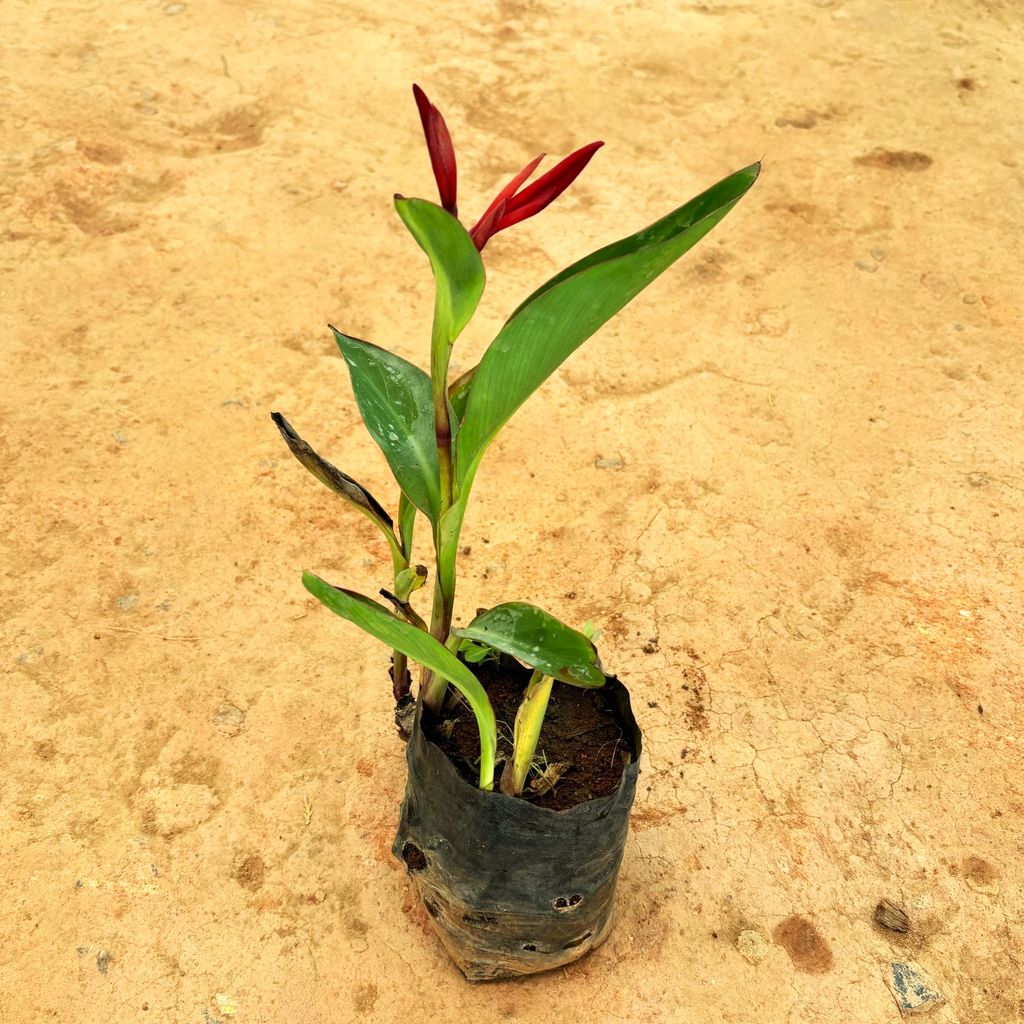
x,y
557,318
406,524
539,640
395,400
473,653
529,719
409,579
458,393
454,259
340,483
376,620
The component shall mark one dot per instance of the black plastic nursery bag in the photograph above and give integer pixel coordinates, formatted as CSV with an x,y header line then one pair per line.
x,y
512,888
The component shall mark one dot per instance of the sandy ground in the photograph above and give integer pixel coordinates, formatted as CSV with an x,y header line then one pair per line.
x,y
787,484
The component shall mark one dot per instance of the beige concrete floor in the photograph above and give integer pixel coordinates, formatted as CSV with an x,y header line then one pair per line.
x,y
795,463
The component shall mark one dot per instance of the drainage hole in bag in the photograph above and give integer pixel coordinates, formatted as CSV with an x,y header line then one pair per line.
x,y
567,902
414,857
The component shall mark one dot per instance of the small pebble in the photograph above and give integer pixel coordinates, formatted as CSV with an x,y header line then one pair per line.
x,y
911,987
174,8
891,916
603,463
229,719
126,602
864,265
226,1004
752,946
102,961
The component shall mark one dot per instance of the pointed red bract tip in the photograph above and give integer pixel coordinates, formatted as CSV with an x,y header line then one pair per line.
x,y
487,225
442,152
548,187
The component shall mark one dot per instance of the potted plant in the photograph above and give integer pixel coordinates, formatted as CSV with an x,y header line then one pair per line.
x,y
523,752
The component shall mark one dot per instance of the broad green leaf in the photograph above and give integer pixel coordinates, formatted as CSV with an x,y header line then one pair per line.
x,y
539,640
340,483
378,621
395,400
454,259
557,318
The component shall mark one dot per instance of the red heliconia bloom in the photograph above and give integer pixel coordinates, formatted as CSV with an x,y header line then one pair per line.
x,y
442,152
513,203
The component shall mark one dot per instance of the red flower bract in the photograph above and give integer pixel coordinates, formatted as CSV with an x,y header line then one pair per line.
x,y
442,152
544,191
513,203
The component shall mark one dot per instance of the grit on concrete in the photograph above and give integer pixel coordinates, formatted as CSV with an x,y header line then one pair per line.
x,y
786,483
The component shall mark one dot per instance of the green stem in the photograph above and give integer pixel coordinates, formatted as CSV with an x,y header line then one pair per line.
x,y
433,687
399,662
529,719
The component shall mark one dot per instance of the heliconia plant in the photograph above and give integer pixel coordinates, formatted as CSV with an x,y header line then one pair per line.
x,y
434,432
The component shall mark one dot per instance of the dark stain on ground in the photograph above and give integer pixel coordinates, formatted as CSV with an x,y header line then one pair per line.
x,y
805,945
979,871
251,872
45,750
895,159
365,998
695,685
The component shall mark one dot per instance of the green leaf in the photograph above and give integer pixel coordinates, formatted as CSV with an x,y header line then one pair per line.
x,y
408,580
458,393
539,640
473,653
340,483
378,621
557,318
395,400
406,524
529,719
454,259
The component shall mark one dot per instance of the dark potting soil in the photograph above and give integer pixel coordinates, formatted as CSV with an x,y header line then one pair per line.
x,y
579,733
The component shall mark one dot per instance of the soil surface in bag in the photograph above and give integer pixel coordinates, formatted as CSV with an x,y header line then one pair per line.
x,y
582,750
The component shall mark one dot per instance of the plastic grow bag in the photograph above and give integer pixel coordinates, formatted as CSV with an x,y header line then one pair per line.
x,y
511,888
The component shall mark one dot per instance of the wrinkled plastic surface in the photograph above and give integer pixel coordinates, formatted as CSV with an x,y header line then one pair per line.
x,y
511,888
